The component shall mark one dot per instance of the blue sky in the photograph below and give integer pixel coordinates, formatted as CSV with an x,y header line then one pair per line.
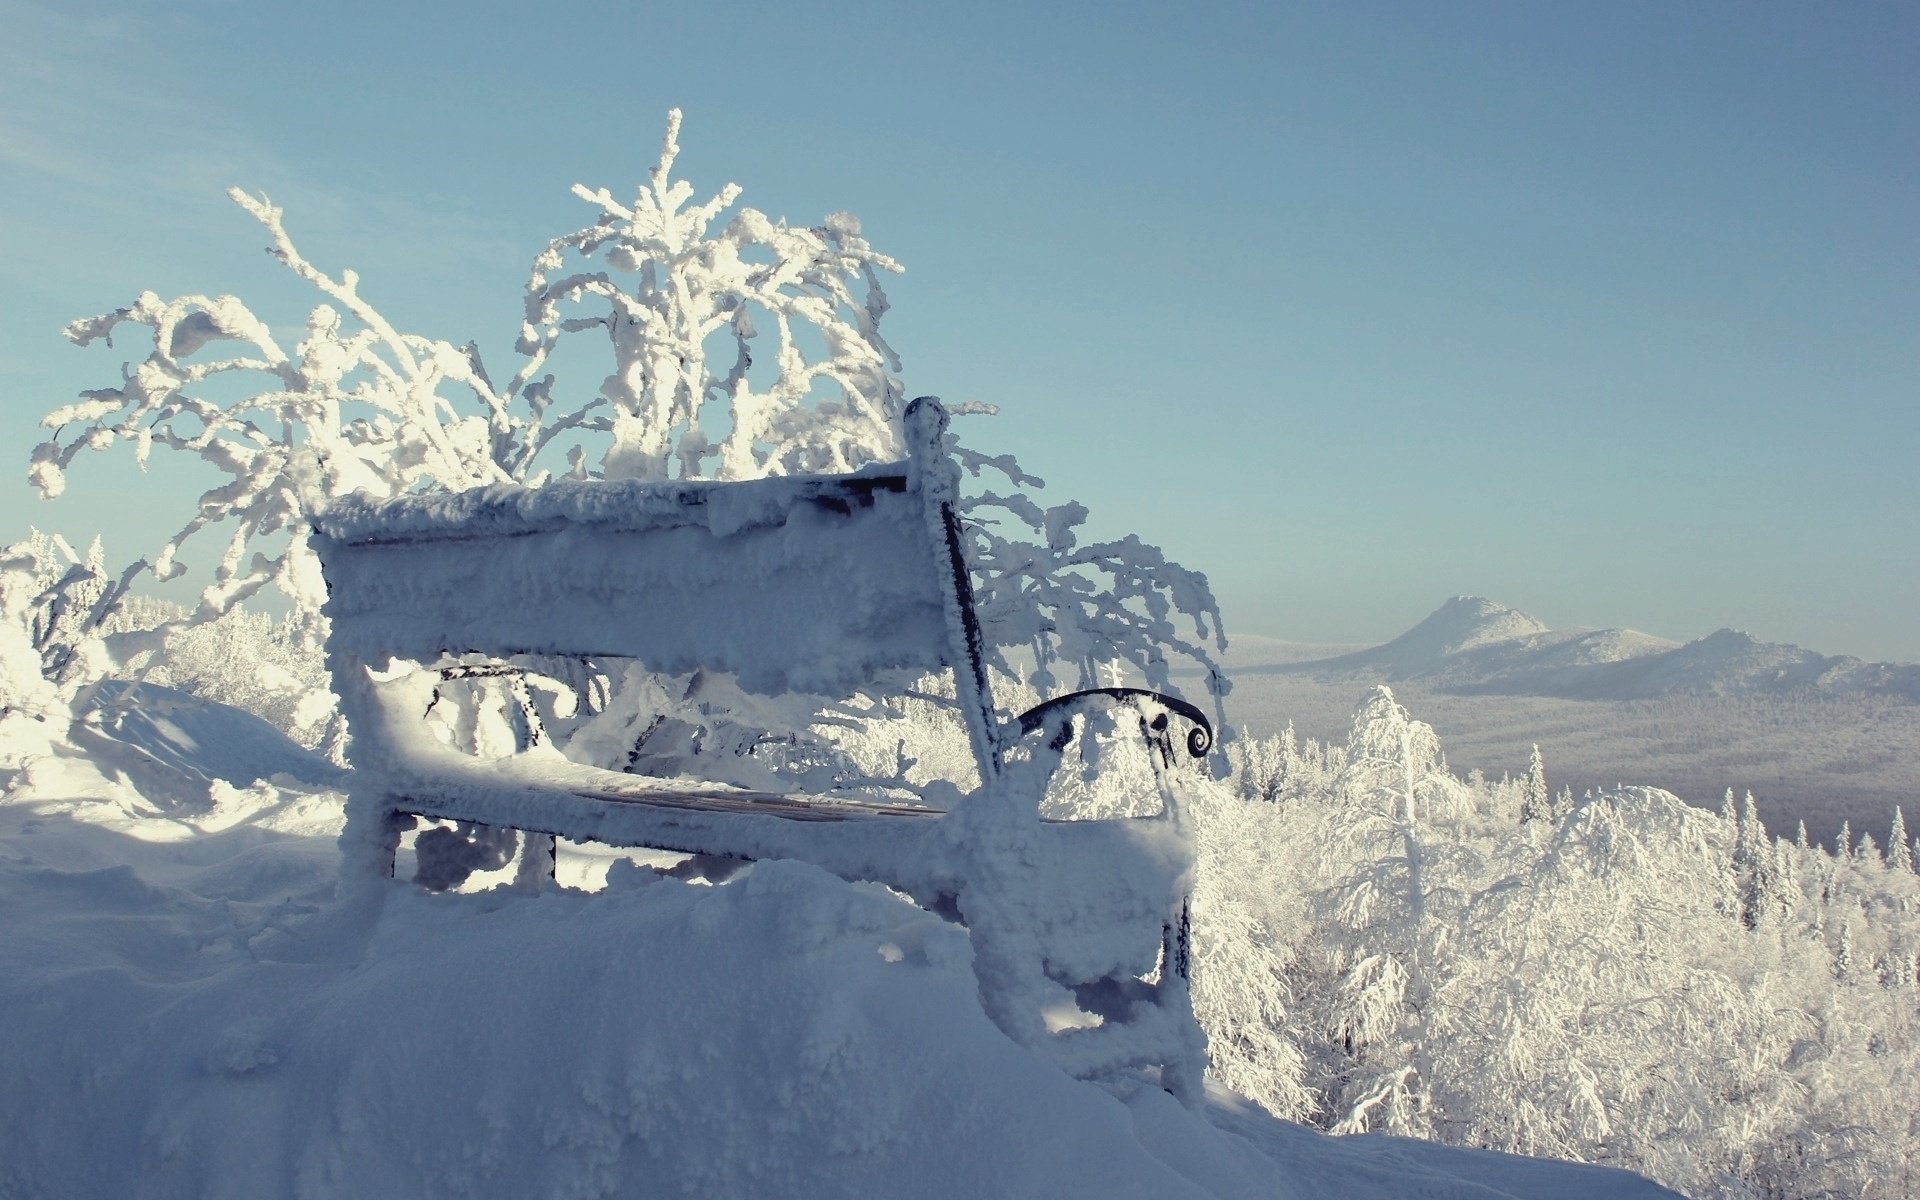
x,y
1609,312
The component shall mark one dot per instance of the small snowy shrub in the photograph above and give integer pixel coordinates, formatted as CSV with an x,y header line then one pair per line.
x,y
51,604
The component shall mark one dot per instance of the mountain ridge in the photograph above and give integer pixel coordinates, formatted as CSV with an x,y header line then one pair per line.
x,y
1471,644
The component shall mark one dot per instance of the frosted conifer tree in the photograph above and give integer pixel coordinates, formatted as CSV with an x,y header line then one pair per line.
x,y
1536,804
1753,866
1786,891
1260,766
1899,851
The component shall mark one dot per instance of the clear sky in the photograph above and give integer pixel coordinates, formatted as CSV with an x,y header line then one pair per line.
x,y
1610,312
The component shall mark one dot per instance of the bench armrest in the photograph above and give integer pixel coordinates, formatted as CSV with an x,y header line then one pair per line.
x,y
1056,718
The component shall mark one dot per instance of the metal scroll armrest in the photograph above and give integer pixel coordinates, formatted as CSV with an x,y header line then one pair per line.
x,y
1055,717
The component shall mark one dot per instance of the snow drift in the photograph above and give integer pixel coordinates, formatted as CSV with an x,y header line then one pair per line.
x,y
188,1013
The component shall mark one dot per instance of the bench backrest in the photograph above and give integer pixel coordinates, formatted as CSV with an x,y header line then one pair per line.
x,y
797,583
807,584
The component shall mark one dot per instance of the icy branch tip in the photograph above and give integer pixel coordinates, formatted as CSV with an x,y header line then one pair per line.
x,y
669,149
259,207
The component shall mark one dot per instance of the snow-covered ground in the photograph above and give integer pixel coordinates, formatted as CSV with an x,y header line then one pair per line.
x,y
185,1011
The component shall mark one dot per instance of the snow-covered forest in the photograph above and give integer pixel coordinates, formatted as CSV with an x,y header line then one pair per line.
x,y
1617,976
1382,945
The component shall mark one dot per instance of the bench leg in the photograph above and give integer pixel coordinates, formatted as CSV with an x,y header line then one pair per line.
x,y
539,859
1013,988
1183,1073
368,844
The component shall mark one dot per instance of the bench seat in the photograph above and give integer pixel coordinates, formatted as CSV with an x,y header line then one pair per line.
x,y
815,585
1111,916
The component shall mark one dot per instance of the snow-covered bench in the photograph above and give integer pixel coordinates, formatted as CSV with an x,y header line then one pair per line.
x,y
813,584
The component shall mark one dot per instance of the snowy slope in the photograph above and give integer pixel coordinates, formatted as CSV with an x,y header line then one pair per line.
x,y
1471,644
198,741
184,1011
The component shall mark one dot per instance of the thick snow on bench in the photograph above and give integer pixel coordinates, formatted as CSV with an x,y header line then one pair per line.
x,y
804,583
810,584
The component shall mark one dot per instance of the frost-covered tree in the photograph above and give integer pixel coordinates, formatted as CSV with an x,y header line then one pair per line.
x,y
1597,994
1248,935
1284,767
357,405
682,305
1753,868
1395,917
1899,849
1611,1001
1068,607
360,406
1260,765
1536,802
686,297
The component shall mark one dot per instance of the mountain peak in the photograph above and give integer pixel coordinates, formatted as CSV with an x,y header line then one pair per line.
x,y
1465,622
1462,624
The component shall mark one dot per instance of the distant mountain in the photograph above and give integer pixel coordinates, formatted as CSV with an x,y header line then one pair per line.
x,y
1465,629
1471,644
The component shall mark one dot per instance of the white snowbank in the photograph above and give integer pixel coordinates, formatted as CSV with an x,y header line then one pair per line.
x,y
185,1012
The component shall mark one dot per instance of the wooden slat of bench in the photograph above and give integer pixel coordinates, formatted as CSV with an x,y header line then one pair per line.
x,y
789,807
851,838
612,787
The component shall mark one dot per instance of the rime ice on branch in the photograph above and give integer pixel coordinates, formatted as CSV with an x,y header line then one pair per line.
x,y
669,290
357,406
